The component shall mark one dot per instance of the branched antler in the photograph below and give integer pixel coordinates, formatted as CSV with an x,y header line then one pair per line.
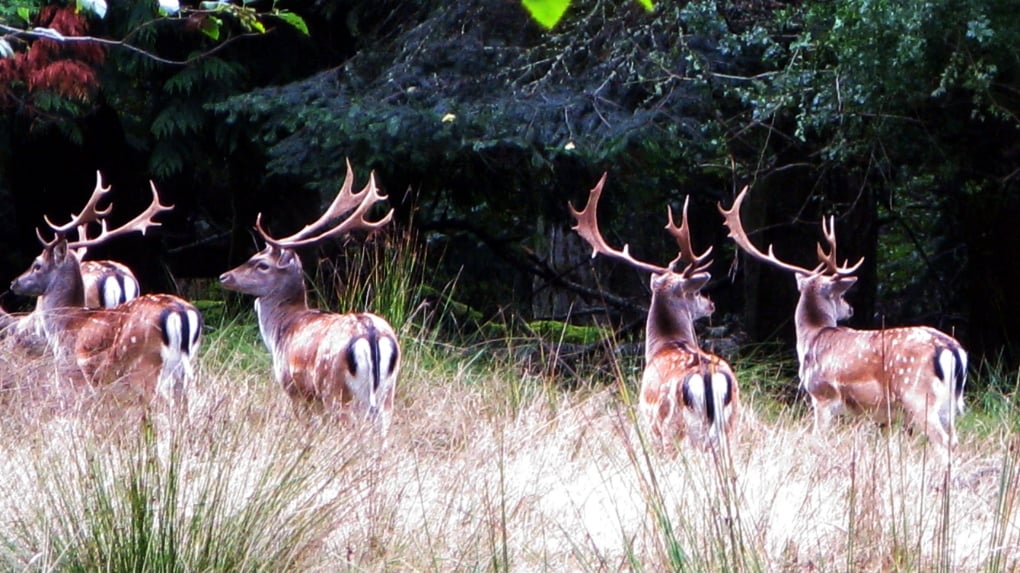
x,y
588,227
346,201
92,214
695,263
827,261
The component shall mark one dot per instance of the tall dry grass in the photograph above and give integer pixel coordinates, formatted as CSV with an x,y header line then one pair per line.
x,y
491,465
487,467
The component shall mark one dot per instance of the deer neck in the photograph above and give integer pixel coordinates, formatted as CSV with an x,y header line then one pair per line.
x,y
812,317
65,291
276,310
668,325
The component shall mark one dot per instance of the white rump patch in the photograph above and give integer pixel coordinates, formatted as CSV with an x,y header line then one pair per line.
x,y
696,390
194,330
111,294
720,386
182,333
361,381
170,383
947,362
131,289
387,350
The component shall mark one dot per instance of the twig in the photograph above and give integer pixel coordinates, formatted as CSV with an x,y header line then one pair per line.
x,y
51,34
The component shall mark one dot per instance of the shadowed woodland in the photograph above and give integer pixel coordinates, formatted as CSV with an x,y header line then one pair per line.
x,y
898,119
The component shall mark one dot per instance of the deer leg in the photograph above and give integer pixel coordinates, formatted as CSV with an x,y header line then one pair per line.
x,y
663,418
825,409
933,414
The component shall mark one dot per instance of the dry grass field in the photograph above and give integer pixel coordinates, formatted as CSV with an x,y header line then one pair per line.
x,y
487,468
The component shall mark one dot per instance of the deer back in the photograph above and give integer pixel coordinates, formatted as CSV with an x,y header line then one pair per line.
x,y
919,369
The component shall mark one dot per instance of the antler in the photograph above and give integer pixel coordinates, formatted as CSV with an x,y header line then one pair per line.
x,y
88,214
141,223
342,204
588,227
827,261
682,234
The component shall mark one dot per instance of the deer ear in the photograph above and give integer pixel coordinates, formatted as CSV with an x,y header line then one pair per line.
x,y
842,284
803,281
287,258
697,282
60,249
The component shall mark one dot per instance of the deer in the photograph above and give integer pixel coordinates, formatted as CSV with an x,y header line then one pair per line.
x,y
146,346
686,392
916,370
107,283
342,364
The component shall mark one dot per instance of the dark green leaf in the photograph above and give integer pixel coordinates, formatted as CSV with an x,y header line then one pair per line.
x,y
211,27
297,22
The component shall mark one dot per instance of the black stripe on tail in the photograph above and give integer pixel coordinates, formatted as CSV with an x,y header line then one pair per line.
x,y
372,336
708,390
961,371
189,332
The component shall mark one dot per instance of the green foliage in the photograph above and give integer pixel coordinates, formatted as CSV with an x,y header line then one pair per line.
x,y
557,332
180,116
546,12
441,101
293,20
385,276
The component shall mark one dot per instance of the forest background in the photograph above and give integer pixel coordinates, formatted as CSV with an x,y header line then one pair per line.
x,y
898,118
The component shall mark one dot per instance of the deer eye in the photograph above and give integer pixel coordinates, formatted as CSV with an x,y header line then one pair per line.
x,y
262,266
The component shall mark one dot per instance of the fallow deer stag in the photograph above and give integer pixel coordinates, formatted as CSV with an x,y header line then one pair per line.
x,y
685,391
917,369
146,346
342,363
107,283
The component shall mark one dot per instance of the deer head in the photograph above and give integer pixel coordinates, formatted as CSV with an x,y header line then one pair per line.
x,y
676,294
822,288
277,269
55,268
